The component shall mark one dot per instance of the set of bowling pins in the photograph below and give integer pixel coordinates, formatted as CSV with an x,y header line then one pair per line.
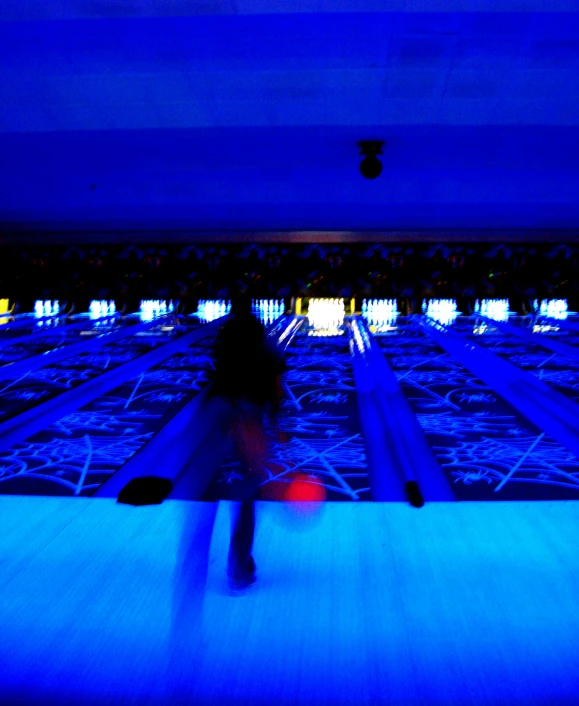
x,y
46,308
211,309
552,308
268,310
326,315
152,308
380,312
442,310
496,309
99,308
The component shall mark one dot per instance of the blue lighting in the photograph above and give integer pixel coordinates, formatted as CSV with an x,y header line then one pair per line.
x,y
101,308
443,311
381,314
320,414
211,309
552,308
151,309
268,310
487,448
46,309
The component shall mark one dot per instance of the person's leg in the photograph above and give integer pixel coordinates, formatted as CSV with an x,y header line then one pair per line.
x,y
251,444
241,566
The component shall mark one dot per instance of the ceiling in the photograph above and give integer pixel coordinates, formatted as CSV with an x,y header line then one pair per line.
x,y
145,118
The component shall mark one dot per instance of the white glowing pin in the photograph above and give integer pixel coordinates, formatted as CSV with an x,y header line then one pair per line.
x,y
380,314
326,316
444,311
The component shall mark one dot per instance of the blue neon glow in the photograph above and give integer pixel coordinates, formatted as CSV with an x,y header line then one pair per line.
x,y
47,308
100,308
320,413
380,314
487,447
82,449
153,308
496,309
559,371
211,309
268,310
443,311
552,308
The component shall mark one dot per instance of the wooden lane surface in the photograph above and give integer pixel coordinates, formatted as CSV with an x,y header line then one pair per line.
x,y
466,603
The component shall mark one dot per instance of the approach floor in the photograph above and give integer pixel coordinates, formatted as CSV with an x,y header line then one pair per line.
x,y
367,603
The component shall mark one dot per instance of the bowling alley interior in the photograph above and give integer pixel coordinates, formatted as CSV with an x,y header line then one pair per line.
x,y
289,352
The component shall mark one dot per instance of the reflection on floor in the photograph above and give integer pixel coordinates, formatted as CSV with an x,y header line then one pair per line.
x,y
365,603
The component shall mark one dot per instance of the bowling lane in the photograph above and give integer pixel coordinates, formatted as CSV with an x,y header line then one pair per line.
x,y
15,324
550,329
79,452
319,417
28,389
558,371
28,324
55,337
487,449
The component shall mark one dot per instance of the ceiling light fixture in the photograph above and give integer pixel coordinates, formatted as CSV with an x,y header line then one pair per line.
x,y
371,166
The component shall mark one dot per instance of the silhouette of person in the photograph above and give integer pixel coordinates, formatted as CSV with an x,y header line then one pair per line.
x,y
247,375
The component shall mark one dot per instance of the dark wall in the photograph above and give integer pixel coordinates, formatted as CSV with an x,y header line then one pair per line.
x,y
403,271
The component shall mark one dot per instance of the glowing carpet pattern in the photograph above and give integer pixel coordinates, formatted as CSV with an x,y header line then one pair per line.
x,y
83,449
9,330
567,336
558,371
320,418
488,450
27,325
39,338
29,389
13,352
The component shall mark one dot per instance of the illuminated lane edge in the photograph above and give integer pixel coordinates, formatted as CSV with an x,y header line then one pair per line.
x,y
51,340
480,431
53,356
65,327
320,414
83,448
559,372
565,324
398,451
38,386
27,320
385,482
284,329
41,416
165,442
538,338
14,354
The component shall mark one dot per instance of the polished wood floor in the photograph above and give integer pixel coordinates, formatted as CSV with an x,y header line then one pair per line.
x,y
368,603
